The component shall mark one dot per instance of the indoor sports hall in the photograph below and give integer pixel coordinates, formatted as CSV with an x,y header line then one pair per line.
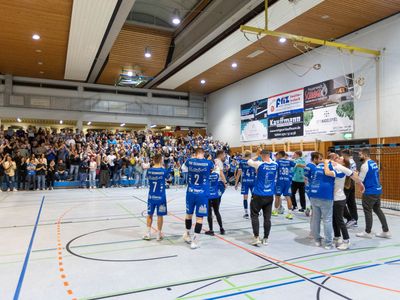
x,y
199,149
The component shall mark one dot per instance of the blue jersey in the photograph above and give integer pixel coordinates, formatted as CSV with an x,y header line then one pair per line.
x,y
266,179
199,175
309,172
214,178
248,173
371,181
157,177
322,186
285,169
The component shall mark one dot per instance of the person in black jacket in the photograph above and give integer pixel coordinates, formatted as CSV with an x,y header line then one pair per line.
x,y
83,172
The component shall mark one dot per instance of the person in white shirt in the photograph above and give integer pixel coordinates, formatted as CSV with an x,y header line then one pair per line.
x,y
343,173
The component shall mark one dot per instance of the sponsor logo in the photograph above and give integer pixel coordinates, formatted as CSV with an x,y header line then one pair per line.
x,y
318,91
203,209
162,208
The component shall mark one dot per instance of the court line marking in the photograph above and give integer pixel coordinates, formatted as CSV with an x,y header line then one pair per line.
x,y
238,289
28,253
279,262
290,282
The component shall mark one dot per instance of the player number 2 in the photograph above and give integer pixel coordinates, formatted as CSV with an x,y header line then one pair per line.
x,y
196,179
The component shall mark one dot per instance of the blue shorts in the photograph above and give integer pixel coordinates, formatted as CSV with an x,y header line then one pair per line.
x,y
246,188
198,202
283,188
161,207
221,189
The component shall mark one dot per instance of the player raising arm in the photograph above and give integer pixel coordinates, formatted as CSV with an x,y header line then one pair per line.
x,y
263,195
247,175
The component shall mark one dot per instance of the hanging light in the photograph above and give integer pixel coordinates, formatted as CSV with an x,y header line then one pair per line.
x,y
89,123
19,120
176,18
61,121
147,52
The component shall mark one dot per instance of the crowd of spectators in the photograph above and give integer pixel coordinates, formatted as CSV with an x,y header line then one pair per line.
x,y
33,159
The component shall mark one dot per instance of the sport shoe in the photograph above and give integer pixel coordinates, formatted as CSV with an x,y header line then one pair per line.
x,y
337,241
222,231
365,235
265,241
344,246
328,247
275,213
256,241
209,232
301,210
318,243
289,216
350,223
147,237
384,235
160,236
186,237
15,190
246,216
194,244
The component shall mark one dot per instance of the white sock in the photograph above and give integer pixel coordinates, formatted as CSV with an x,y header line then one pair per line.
x,y
149,230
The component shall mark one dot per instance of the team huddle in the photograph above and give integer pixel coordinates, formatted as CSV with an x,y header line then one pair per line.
x,y
324,182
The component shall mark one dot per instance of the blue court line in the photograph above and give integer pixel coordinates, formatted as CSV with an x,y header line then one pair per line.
x,y
28,253
291,282
392,261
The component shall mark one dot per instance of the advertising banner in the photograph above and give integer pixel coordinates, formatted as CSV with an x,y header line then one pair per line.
x,y
329,106
254,120
285,115
285,126
286,103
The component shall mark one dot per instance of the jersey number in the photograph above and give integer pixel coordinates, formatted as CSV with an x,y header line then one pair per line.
x,y
155,186
285,171
196,179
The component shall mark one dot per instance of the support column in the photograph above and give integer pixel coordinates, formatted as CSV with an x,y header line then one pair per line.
x,y
79,125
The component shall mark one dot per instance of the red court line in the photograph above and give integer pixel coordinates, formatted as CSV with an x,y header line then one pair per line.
x,y
298,266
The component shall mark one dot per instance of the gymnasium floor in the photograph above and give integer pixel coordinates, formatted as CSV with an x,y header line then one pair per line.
x,y
87,245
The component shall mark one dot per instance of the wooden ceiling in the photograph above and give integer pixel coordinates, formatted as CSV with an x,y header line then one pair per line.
x,y
344,18
128,51
20,19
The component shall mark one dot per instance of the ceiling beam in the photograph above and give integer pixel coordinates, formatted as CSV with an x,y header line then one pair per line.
x,y
89,23
120,15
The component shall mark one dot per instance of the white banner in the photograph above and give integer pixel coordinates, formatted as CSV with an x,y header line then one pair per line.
x,y
330,119
285,103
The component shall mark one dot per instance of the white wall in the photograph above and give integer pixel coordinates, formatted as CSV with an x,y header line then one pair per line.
x,y
224,105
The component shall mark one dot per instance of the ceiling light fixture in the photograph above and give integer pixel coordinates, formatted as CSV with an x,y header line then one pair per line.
x,y
40,63
130,73
282,40
234,65
202,81
176,19
19,120
61,121
36,37
122,124
153,126
89,123
147,52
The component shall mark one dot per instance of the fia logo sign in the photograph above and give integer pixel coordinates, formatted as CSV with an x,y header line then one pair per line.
x,y
282,101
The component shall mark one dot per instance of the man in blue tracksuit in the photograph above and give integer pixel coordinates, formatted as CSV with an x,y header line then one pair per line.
x,y
263,195
371,199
